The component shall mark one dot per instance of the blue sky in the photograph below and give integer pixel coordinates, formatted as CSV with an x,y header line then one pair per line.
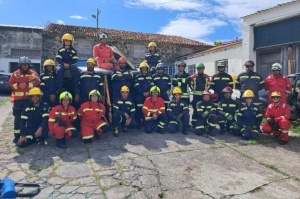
x,y
202,20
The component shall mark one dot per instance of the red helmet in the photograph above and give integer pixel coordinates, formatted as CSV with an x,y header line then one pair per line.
x,y
206,92
227,89
122,60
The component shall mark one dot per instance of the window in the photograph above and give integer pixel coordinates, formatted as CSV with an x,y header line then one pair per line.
x,y
222,60
170,70
191,69
25,52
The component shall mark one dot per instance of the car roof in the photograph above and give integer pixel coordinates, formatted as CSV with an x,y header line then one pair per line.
x,y
294,75
3,73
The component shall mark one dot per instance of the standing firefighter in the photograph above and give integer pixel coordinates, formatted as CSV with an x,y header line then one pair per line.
x,y
90,80
61,118
249,117
178,112
181,80
120,78
199,82
154,112
91,114
152,57
21,81
277,115
277,82
34,120
142,84
48,83
124,112
163,82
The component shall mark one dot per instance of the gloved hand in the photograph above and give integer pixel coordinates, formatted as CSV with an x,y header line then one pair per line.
x,y
275,127
178,118
60,122
205,114
228,116
278,119
270,121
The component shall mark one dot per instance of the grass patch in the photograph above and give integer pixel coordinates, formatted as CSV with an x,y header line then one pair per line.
x,y
2,102
36,168
252,142
295,127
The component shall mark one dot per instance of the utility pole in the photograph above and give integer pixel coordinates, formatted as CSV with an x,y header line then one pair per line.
x,y
96,16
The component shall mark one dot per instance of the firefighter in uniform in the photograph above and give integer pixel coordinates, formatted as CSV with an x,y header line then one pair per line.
x,y
67,73
229,107
154,112
90,80
277,114
142,84
124,112
208,115
181,80
178,112
249,117
120,78
163,82
250,80
21,81
152,57
199,82
277,82
60,120
48,83
34,120
219,81
91,114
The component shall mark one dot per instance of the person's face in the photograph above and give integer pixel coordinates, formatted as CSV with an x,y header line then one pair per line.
x,y
227,95
177,96
94,98
206,97
67,42
200,70
180,68
154,94
103,41
35,99
124,95
276,72
49,68
24,67
152,48
249,100
160,71
276,99
249,68
122,65
65,102
90,66
221,69
144,70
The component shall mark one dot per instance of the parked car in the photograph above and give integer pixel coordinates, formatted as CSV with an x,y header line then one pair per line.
x,y
4,87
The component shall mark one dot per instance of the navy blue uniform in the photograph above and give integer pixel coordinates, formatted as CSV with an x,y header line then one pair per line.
x,y
125,80
48,87
229,107
88,82
181,80
175,109
219,81
120,107
163,82
152,61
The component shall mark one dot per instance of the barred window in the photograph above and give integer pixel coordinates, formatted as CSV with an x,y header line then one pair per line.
x,y
192,69
25,52
170,70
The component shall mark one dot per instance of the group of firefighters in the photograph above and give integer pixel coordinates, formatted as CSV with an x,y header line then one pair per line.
x,y
66,103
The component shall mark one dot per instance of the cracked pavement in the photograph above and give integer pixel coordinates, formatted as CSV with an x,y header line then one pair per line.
x,y
138,165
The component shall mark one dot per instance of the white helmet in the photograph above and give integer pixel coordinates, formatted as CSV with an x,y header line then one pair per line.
x,y
102,36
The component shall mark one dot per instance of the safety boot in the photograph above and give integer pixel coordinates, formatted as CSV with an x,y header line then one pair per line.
x,y
282,142
87,141
61,143
116,131
125,129
161,130
16,138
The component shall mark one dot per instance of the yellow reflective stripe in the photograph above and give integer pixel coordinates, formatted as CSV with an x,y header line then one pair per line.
x,y
139,105
16,131
29,137
24,117
45,115
232,105
51,120
19,94
132,110
199,127
197,92
75,57
58,56
15,85
87,137
173,122
30,85
98,127
69,129
259,115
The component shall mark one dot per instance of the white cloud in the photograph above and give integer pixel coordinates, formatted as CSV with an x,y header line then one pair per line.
x,y
77,17
60,22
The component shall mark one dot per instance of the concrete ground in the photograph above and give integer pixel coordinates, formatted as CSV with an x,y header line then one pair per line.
x,y
138,165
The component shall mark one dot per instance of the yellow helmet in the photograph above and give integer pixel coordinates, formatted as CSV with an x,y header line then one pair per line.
x,y
248,93
94,92
67,36
34,91
91,60
144,64
49,62
275,94
124,89
155,88
64,95
152,43
177,90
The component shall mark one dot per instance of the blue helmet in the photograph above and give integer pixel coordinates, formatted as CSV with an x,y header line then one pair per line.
x,y
160,66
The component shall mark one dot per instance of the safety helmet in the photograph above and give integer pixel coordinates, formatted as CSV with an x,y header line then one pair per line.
x,y
177,90
154,88
34,91
67,36
94,92
221,64
276,66
249,63
144,64
181,63
206,92
102,36
275,94
64,95
152,43
124,89
49,62
227,89
24,60
160,66
248,93
91,60
200,65
122,60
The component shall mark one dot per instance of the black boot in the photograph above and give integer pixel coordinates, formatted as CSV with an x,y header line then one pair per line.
x,y
61,143
87,141
184,131
17,136
282,142
116,131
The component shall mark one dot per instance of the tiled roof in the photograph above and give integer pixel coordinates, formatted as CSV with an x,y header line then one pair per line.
x,y
215,48
84,31
260,11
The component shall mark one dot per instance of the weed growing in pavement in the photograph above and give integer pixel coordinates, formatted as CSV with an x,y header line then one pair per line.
x,y
2,102
252,142
36,168
295,127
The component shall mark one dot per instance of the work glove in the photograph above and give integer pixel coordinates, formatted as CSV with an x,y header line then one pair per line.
x,y
60,122
205,114
178,118
278,119
270,121
228,116
275,127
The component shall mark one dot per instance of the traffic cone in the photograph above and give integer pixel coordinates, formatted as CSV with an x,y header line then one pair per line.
x,y
12,97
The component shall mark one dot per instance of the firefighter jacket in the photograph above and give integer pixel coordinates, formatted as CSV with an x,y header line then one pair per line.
x,y
163,82
251,80
66,55
89,81
280,84
122,106
199,82
282,111
249,115
125,80
182,81
176,108
33,117
30,78
205,107
68,116
91,112
151,107
220,81
152,60
228,106
104,55
142,83
48,84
